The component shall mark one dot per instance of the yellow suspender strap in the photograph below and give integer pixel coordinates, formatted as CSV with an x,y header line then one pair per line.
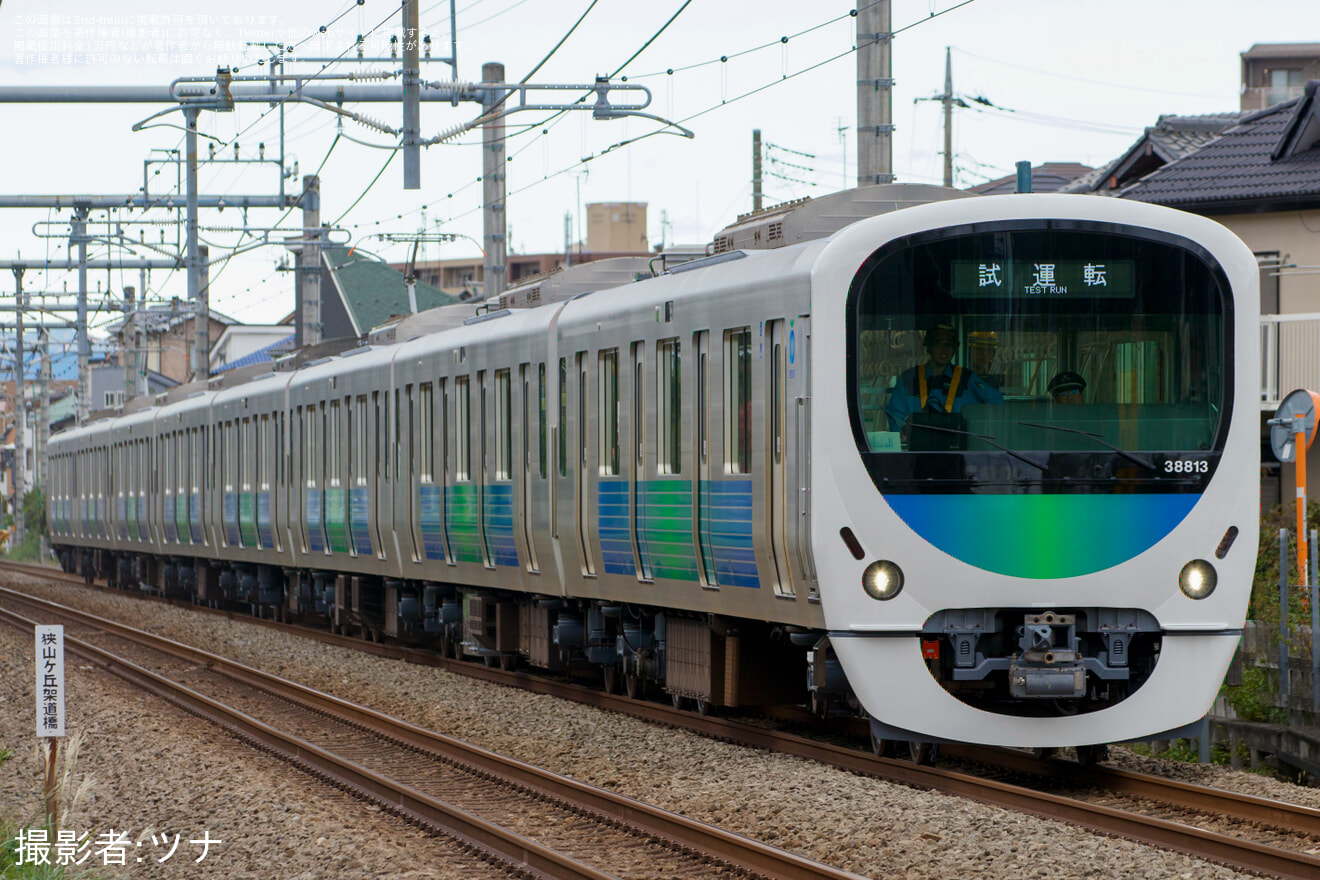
x,y
923,389
953,389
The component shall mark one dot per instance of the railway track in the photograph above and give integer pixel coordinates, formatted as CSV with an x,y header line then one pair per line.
x,y
526,818
1266,837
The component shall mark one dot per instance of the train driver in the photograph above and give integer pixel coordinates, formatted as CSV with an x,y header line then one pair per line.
x,y
1068,387
938,385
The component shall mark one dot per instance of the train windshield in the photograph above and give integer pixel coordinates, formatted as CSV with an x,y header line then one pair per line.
x,y
1040,357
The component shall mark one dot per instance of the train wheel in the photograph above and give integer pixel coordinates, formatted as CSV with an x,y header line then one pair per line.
x,y
508,661
492,660
1089,756
677,700
632,686
923,753
702,705
882,748
610,675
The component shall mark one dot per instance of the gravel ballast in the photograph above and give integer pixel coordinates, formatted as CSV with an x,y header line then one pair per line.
x,y
153,765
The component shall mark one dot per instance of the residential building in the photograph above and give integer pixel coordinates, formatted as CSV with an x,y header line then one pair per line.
x,y
1277,72
1261,178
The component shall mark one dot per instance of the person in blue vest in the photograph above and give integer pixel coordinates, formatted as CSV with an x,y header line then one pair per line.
x,y
938,386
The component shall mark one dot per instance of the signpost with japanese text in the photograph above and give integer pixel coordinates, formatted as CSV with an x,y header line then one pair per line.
x,y
50,702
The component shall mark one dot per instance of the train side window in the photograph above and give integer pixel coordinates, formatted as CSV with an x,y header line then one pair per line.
x,y
669,408
540,419
609,412
427,403
563,417
312,462
738,400
412,431
443,471
461,412
398,437
360,441
503,426
332,476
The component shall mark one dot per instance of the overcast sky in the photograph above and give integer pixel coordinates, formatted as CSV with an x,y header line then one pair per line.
x,y
1068,81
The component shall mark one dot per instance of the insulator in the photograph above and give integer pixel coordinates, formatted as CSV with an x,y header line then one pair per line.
x,y
450,134
372,123
366,75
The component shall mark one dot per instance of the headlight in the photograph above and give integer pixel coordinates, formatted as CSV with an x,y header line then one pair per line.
x,y
882,579
1198,579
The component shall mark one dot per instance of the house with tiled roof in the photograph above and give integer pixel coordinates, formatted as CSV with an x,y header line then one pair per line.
x,y
1046,177
1168,140
1261,178
359,291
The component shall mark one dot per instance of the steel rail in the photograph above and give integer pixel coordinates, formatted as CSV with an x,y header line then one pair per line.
x,y
1238,853
745,853
513,850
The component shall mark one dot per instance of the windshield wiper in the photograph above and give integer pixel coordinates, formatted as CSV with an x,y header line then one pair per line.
x,y
1098,438
984,438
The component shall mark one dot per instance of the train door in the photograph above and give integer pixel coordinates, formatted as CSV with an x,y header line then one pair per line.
x,y
444,475
776,472
422,431
799,365
584,474
638,456
701,452
527,499
410,485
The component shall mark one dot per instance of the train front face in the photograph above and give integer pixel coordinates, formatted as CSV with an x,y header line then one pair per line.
x,y
1052,508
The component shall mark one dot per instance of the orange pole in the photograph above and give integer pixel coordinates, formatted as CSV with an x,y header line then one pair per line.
x,y
1299,443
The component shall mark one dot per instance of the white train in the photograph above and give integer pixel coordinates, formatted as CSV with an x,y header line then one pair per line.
x,y
777,475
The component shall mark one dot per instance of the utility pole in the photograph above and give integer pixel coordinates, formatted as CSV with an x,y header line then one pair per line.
x,y
202,317
947,99
568,239
875,96
43,438
197,296
20,416
126,339
84,344
309,265
756,169
412,102
493,184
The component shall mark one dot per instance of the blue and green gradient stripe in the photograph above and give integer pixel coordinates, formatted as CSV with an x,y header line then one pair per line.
x,y
1043,536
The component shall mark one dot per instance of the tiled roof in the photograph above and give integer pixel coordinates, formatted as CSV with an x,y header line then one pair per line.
x,y
1047,177
1269,155
1169,139
372,292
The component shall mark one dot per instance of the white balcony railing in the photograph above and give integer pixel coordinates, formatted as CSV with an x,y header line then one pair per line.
x,y
1289,356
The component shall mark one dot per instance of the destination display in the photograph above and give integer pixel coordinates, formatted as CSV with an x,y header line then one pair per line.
x,y
986,279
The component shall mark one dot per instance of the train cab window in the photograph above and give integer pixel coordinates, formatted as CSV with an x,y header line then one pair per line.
x,y
462,412
669,408
503,426
426,395
738,400
1044,356
608,398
